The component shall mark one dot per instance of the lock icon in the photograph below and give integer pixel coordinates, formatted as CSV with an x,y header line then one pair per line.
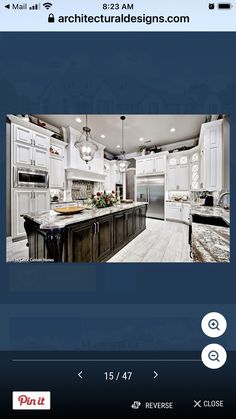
x,y
51,18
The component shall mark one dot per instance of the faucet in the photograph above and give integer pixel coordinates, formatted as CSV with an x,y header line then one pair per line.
x,y
221,197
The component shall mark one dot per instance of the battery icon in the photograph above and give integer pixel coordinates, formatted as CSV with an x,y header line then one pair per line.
x,y
224,6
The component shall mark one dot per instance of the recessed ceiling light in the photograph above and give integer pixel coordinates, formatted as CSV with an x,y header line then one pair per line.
x,y
118,146
102,136
78,120
141,139
172,130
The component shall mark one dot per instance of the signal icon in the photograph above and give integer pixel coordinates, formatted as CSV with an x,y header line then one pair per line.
x,y
47,5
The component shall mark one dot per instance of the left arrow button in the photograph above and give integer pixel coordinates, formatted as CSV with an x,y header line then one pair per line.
x,y
80,375
8,6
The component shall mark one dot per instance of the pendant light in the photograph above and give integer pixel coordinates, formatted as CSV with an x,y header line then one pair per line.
x,y
84,145
123,164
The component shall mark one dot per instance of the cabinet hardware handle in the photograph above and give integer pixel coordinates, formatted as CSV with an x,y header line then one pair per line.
x,y
98,227
95,228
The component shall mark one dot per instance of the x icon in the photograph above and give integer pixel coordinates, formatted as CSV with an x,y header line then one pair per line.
x,y
197,404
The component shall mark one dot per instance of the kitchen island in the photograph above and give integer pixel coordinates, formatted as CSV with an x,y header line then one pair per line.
x,y
91,236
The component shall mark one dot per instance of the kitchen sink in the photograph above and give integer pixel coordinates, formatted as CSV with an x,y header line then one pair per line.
x,y
214,221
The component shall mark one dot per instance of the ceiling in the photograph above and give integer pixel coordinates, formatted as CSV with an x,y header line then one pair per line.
x,y
154,128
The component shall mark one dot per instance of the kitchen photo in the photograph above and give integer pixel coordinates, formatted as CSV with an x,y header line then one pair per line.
x,y
118,188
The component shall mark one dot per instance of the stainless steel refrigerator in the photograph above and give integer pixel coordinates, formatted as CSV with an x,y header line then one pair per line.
x,y
151,189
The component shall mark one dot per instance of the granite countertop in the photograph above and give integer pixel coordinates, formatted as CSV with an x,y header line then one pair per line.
x,y
211,212
53,220
210,243
180,201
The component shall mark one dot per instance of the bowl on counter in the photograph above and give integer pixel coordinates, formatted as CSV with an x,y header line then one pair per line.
x,y
73,209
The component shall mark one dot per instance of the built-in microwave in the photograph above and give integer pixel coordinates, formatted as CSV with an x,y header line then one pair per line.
x,y
31,178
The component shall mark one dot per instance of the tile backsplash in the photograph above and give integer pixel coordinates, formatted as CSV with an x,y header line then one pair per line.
x,y
59,193
80,189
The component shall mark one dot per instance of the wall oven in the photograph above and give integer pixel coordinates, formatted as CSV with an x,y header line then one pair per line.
x,y
30,178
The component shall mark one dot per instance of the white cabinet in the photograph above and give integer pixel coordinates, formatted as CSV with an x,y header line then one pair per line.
x,y
178,211
185,213
22,154
178,173
56,172
211,156
195,171
22,134
113,176
150,165
183,177
140,167
40,158
24,202
172,178
160,164
26,155
30,148
41,201
174,211
40,140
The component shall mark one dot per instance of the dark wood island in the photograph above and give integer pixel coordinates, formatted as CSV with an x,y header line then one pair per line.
x,y
92,236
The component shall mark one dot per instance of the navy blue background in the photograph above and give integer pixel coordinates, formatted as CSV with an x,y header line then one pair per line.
x,y
113,73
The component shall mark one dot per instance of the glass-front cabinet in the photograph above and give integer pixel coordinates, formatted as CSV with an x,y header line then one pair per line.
x,y
194,172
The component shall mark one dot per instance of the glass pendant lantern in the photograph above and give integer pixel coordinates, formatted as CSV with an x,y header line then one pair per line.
x,y
84,145
123,164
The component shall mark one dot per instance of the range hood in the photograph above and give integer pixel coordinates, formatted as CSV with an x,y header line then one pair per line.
x,y
79,174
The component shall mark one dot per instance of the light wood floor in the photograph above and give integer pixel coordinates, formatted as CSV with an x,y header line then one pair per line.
x,y
16,250
162,241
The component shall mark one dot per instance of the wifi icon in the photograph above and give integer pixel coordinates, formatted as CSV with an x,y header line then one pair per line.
x,y
47,5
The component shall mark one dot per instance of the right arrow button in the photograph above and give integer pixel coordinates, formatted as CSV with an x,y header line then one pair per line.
x,y
155,375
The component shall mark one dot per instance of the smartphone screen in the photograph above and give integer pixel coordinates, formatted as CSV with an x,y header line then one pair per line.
x,y
117,252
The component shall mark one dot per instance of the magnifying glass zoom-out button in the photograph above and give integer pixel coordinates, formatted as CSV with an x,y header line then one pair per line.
x,y
214,356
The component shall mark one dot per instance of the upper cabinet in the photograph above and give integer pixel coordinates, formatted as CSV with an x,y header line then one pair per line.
x,y
22,134
57,165
178,173
30,148
22,154
150,165
195,171
140,167
113,176
211,156
41,141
